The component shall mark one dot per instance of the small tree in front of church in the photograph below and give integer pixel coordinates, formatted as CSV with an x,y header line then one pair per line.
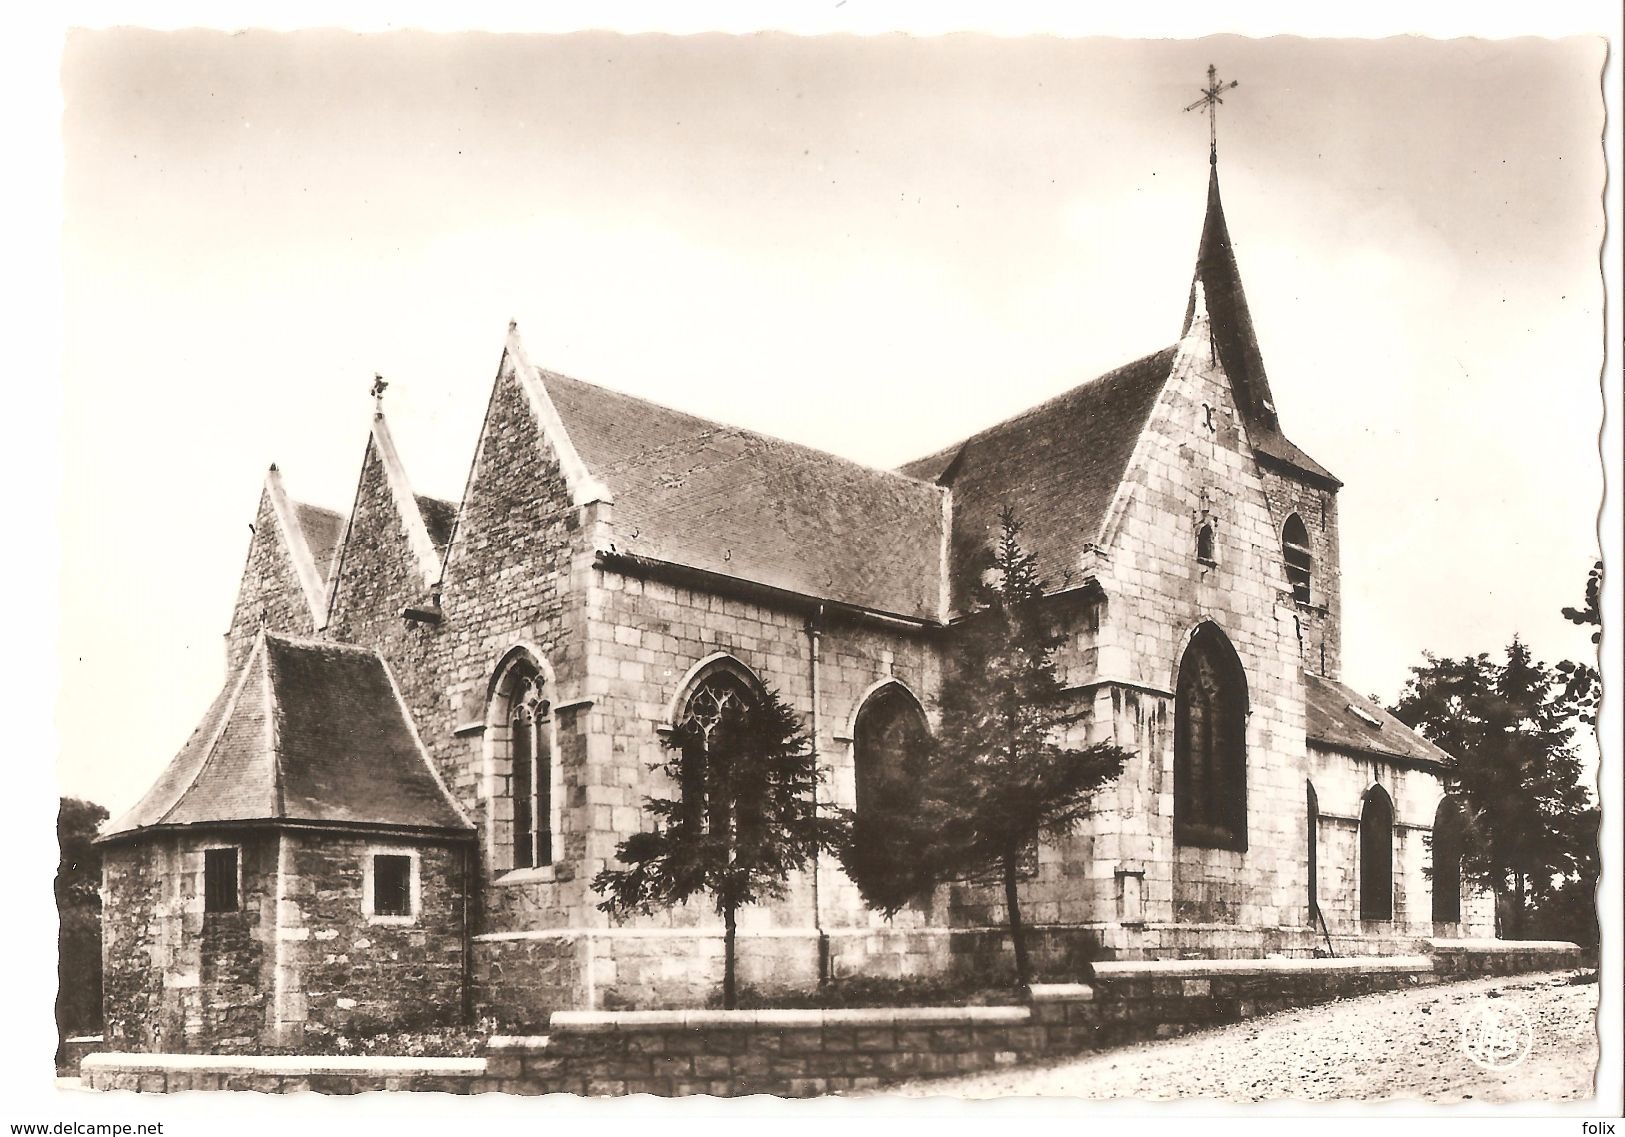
x,y
744,817
997,778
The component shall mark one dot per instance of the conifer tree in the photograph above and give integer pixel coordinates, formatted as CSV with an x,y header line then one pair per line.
x,y
998,777
744,818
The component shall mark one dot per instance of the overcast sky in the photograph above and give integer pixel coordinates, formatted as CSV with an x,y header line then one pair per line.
x,y
874,246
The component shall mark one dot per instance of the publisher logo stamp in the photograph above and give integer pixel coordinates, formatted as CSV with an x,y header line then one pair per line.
x,y
1495,1034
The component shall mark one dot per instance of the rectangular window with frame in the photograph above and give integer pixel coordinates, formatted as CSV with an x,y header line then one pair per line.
x,y
220,880
391,884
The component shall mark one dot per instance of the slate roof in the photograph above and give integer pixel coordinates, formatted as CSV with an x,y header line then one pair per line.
x,y
439,516
307,731
1332,723
1237,340
323,530
718,498
1057,465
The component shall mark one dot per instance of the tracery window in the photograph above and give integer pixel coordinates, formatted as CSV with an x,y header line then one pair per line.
x,y
1377,856
1299,560
714,723
1210,744
1449,824
530,750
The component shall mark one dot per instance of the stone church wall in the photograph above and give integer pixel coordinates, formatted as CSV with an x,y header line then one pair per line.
x,y
174,977
1184,475
269,594
1321,619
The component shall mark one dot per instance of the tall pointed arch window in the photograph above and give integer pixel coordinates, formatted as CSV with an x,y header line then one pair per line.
x,y
1377,856
1300,562
1449,824
888,740
1210,744
1314,853
520,732
714,728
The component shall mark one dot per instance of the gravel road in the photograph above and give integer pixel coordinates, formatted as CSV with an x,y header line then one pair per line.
x,y
1400,1044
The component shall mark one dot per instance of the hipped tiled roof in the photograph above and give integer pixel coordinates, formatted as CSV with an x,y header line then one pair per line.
x,y
1331,708
721,499
1237,341
307,731
1057,466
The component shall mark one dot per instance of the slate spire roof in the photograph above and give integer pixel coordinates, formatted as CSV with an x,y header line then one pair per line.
x,y
1217,283
309,732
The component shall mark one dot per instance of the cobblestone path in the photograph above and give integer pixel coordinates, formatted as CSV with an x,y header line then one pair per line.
x,y
1399,1044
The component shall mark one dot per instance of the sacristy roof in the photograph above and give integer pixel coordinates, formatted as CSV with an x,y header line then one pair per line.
x,y
308,731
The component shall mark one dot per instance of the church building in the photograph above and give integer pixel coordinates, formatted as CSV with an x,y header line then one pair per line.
x,y
441,718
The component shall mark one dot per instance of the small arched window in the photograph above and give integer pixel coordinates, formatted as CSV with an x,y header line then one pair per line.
x,y
1449,824
530,746
1204,544
1210,744
1299,560
1377,856
713,727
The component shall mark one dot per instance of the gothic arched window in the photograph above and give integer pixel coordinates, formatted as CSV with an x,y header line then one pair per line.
x,y
519,739
1448,834
531,750
1204,545
887,741
1377,856
1210,744
713,727
1299,560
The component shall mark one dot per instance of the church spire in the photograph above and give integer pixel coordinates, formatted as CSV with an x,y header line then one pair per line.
x,y
1217,287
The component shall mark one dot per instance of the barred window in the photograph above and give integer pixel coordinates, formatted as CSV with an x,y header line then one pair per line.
x,y
392,884
1210,744
220,880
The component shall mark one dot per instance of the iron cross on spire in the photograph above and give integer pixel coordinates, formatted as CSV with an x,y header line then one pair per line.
x,y
1211,100
378,385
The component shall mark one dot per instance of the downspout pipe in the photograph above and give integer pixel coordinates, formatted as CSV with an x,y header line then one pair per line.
x,y
815,632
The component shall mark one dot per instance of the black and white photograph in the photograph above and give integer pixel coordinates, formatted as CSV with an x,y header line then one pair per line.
x,y
917,567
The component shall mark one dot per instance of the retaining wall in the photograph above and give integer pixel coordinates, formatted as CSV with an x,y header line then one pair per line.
x,y
801,1053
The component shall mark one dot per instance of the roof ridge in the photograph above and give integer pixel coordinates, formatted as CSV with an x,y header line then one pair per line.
x,y
226,713
768,441
1047,405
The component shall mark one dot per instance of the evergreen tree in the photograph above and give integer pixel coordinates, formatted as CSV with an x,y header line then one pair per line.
x,y
744,818
1582,684
998,778
78,908
1509,730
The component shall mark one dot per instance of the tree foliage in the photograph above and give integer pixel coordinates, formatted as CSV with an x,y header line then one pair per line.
x,y
997,777
78,907
743,819
1582,684
1509,729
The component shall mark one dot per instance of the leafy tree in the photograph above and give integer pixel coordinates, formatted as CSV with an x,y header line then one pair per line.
x,y
997,778
744,818
78,908
1509,729
1582,685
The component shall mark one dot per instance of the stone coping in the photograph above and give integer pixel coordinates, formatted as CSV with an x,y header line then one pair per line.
x,y
1203,968
1060,993
500,1042
83,1039
1501,947
286,1065
589,1022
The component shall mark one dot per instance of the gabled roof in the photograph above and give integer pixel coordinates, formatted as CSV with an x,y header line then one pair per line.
x,y
309,732
1219,278
322,528
1344,719
1057,466
439,517
717,498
